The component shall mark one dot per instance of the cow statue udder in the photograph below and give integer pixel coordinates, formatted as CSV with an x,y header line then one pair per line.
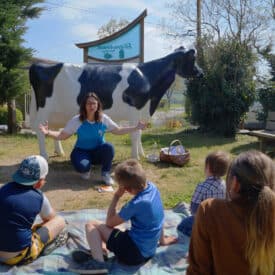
x,y
128,92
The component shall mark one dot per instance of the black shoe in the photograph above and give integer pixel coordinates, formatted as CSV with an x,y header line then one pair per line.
x,y
81,256
90,267
60,240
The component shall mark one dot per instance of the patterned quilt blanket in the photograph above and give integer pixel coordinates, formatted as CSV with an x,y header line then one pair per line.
x,y
168,259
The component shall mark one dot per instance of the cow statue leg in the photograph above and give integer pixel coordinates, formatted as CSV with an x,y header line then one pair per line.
x,y
137,149
58,149
140,148
41,143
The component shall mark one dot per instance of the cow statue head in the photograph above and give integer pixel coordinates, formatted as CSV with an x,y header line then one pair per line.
x,y
185,65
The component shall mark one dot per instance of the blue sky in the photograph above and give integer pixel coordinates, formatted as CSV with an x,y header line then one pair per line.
x,y
65,22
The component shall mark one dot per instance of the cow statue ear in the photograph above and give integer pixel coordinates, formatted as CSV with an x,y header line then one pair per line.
x,y
192,51
181,48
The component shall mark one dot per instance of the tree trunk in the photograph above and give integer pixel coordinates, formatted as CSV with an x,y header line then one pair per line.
x,y
12,129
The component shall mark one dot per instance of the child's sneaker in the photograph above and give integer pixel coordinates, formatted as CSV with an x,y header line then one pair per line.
x,y
81,256
89,267
86,175
105,188
107,179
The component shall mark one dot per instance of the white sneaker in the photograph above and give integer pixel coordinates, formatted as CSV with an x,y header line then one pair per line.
x,y
85,175
107,179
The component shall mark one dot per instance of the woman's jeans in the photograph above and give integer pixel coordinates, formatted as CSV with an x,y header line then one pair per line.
x,y
83,159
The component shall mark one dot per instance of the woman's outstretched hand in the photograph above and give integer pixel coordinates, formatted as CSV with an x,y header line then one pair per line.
x,y
141,125
44,128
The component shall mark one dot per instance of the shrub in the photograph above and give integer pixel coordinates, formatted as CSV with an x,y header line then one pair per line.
x,y
267,99
223,96
4,115
187,106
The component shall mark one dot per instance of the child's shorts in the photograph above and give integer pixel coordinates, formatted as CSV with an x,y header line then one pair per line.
x,y
40,238
124,248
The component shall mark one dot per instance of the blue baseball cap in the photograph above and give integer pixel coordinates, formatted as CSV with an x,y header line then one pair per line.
x,y
31,170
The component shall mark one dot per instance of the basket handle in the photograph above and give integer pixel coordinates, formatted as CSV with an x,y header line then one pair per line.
x,y
173,143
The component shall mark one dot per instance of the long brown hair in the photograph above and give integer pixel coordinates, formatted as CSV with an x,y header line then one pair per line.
x,y
255,173
83,112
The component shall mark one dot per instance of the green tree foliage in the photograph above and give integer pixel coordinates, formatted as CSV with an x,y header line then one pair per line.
x,y
4,115
223,96
267,98
266,93
13,55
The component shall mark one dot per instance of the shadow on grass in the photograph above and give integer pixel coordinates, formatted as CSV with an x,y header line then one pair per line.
x,y
268,150
61,176
245,147
189,138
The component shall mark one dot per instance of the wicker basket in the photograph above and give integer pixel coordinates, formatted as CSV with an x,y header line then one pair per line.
x,y
175,153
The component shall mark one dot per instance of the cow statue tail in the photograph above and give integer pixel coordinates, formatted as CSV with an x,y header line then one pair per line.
x,y
34,124
33,110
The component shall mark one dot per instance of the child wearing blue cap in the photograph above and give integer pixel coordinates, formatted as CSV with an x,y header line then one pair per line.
x,y
21,201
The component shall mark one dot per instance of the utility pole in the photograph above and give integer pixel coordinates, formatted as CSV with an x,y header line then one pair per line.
x,y
199,42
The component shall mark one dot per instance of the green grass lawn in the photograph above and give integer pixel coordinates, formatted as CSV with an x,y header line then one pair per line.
x,y
175,183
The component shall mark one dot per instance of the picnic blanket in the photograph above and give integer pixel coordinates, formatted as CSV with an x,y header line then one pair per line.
x,y
168,259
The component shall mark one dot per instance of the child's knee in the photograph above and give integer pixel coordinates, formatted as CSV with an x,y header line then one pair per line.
x,y
61,221
91,225
83,166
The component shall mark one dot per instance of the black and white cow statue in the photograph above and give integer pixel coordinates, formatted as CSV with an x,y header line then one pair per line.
x,y
128,92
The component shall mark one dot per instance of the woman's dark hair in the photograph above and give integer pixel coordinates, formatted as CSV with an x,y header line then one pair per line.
x,y
83,112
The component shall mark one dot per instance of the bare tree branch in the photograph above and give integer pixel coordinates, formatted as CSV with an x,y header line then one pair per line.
x,y
244,20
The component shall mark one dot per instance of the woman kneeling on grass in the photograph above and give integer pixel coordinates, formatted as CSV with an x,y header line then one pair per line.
x,y
237,235
90,126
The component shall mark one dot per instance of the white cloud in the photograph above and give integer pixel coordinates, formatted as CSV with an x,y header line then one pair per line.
x,y
86,32
70,13
94,9
155,45
107,4
89,9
